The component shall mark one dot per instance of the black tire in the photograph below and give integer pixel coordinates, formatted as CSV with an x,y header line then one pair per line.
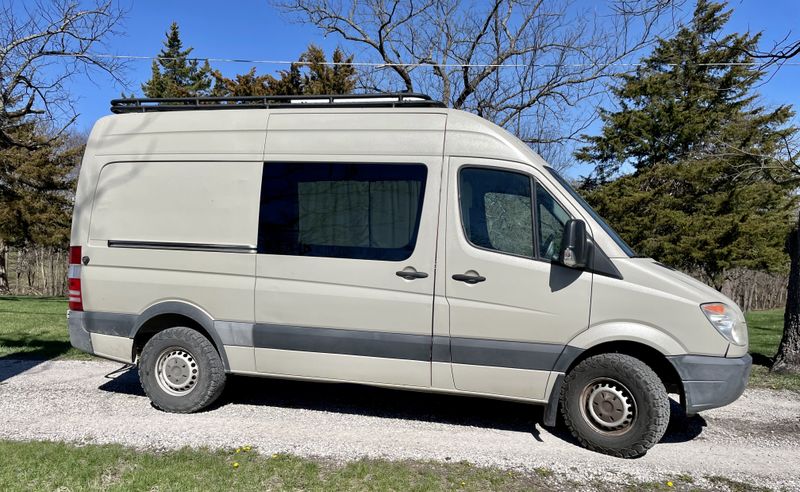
x,y
199,377
629,405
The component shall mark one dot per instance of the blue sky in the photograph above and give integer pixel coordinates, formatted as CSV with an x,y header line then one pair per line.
x,y
252,29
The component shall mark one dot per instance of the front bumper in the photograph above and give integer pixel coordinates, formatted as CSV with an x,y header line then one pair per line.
x,y
711,382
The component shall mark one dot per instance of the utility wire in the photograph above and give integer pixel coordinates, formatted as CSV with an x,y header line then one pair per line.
x,y
405,65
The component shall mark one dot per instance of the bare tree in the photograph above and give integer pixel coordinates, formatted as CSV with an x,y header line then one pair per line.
x,y
784,168
43,44
781,52
781,166
523,64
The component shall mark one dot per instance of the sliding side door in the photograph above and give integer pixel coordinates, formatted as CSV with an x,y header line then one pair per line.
x,y
344,282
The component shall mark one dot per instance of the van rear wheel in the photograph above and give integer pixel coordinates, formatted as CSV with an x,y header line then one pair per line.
x,y
615,404
181,371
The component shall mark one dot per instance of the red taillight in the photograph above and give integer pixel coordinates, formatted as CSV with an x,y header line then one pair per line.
x,y
74,255
75,297
75,300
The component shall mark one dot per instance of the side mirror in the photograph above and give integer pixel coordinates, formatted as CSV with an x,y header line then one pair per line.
x,y
574,245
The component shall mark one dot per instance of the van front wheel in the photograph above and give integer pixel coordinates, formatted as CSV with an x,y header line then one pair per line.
x,y
615,404
181,371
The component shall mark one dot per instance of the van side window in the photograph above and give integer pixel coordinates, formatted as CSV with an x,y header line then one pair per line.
x,y
550,220
341,210
496,210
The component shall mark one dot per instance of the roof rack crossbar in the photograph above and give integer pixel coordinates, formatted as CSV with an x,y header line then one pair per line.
x,y
393,100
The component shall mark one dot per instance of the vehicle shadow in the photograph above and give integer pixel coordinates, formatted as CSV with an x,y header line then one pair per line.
x,y
26,353
762,360
395,404
682,428
11,366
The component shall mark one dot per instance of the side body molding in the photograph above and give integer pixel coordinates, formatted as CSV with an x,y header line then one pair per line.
x,y
183,309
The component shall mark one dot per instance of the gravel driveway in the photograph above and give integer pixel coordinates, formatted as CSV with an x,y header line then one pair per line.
x,y
756,440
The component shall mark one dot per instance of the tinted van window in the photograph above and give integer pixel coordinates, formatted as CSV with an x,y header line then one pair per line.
x,y
496,210
550,220
341,210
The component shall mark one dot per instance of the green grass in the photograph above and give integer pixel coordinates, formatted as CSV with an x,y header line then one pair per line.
x,y
765,329
35,327
735,485
59,466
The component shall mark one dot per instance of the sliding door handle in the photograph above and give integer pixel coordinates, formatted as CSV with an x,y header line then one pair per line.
x,y
411,274
470,279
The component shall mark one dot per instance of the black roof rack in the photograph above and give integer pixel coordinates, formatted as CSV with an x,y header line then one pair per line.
x,y
381,100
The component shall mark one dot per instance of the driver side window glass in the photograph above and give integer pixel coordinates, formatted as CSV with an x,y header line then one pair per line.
x,y
496,210
550,221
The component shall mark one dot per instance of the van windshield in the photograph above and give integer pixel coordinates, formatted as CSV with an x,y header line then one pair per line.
x,y
611,232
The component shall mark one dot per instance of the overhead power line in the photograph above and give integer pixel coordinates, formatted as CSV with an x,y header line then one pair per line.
x,y
405,65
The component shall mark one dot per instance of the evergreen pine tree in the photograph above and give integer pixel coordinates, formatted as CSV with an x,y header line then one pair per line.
x,y
322,78
313,76
173,74
686,129
676,103
36,188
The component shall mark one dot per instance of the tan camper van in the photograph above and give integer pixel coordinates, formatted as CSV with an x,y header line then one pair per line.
x,y
383,240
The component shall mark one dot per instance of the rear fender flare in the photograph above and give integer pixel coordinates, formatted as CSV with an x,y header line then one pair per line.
x,y
182,308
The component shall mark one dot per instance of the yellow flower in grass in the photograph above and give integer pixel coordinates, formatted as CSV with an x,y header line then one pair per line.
x,y
669,484
235,464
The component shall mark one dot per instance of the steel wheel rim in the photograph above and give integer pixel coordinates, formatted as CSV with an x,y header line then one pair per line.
x,y
177,371
608,406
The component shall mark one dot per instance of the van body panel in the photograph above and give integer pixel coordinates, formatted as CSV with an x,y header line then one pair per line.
x,y
113,347
650,296
227,132
241,359
133,289
325,133
472,136
342,367
520,383
146,219
177,202
233,135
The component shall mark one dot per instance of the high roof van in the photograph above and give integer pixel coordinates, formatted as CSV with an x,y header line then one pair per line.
x,y
383,240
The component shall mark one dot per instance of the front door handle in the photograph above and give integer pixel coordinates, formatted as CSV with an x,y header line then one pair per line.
x,y
411,274
470,279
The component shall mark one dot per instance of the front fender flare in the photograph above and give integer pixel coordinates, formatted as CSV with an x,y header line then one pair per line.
x,y
624,331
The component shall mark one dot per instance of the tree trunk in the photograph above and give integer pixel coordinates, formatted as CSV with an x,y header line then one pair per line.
x,y
4,288
788,358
